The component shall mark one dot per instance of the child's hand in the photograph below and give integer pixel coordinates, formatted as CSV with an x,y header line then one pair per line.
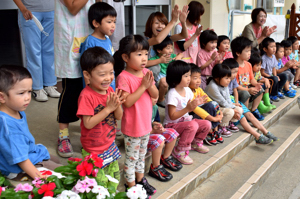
x,y
290,64
219,57
278,78
175,13
158,128
191,105
179,56
198,31
184,13
112,102
120,96
237,104
147,80
164,59
258,86
205,99
218,118
213,56
236,115
267,83
252,90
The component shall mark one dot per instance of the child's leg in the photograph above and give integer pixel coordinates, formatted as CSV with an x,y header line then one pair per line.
x,y
244,96
228,114
282,82
248,128
297,75
255,122
163,89
256,102
170,140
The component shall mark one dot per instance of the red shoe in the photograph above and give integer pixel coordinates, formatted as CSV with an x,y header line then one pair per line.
x,y
219,137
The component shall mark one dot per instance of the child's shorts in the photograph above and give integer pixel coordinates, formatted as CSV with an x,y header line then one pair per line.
x,y
159,76
155,140
245,109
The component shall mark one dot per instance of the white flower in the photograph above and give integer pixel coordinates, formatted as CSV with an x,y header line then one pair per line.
x,y
137,192
102,192
111,179
47,197
66,194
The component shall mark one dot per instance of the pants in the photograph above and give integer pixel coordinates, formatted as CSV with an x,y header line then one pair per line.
x,y
245,95
289,75
39,48
135,151
228,114
213,109
190,131
277,85
155,140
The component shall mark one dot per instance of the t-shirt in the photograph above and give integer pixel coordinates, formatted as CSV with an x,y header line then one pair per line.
x,y
163,66
285,59
245,75
17,144
294,55
39,5
136,120
202,57
279,65
200,111
257,76
232,85
100,137
227,55
268,63
180,102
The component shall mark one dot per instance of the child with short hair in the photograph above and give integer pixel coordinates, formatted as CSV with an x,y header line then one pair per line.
x,y
164,48
294,56
223,46
247,115
19,155
99,108
248,89
208,56
137,85
179,102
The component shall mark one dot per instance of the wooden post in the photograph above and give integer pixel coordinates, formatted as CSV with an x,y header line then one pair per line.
x,y
292,21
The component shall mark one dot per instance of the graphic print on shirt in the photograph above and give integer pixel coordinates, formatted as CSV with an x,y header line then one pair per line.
x,y
244,79
109,123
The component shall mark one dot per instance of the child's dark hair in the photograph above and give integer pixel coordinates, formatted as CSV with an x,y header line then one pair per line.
x,y
278,46
196,10
175,71
220,39
167,41
239,44
286,43
293,39
207,36
195,68
100,10
93,57
160,17
231,63
219,71
266,42
10,75
128,44
255,58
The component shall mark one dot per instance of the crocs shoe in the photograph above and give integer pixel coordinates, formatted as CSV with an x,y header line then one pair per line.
x,y
182,156
280,95
289,94
64,148
274,98
258,116
199,148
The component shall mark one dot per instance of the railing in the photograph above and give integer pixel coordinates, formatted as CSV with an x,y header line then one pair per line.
x,y
294,23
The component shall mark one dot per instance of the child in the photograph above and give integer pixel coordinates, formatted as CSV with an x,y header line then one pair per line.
x,y
248,86
70,29
208,55
160,136
137,85
223,46
19,155
255,61
99,108
102,19
179,102
164,48
294,56
268,67
190,45
267,137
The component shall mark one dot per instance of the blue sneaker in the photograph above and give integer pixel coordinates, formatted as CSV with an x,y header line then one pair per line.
x,y
280,95
293,91
274,98
289,94
258,116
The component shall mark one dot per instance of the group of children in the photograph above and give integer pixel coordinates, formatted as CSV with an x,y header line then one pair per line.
x,y
205,90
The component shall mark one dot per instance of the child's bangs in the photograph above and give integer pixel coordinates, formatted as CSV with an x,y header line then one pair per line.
x,y
139,43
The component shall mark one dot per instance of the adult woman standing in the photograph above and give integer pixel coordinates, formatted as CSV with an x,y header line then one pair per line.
x,y
255,30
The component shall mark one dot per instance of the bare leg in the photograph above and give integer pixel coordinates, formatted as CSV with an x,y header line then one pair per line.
x,y
247,103
130,184
256,123
156,155
248,128
163,89
297,75
139,176
286,85
168,148
62,126
256,102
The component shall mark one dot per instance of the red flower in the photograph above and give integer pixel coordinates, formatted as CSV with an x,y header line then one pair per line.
x,y
98,161
85,168
45,172
0,190
47,189
75,159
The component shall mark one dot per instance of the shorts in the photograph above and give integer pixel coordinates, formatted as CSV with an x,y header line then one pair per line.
x,y
155,140
245,109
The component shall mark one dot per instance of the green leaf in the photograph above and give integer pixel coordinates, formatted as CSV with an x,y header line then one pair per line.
x,y
90,195
58,191
51,178
111,188
2,179
70,179
121,195
67,168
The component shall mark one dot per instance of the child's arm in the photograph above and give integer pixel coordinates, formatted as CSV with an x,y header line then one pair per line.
x,y
263,73
286,66
191,105
30,169
74,6
211,60
236,96
164,59
179,56
118,113
182,18
26,13
189,42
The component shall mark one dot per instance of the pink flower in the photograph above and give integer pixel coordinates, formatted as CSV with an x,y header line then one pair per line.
x,y
82,187
95,172
91,182
19,187
37,182
27,187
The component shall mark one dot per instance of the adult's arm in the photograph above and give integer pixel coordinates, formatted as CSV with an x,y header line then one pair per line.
x,y
26,13
74,6
249,33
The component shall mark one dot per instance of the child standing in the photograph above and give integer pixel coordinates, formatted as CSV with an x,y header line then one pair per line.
x,y
179,102
99,108
223,46
19,155
137,85
70,29
190,45
208,56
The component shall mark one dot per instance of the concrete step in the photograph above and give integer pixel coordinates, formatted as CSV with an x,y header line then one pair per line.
x,y
236,178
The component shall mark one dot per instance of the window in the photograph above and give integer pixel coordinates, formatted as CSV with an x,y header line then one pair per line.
x,y
266,4
235,5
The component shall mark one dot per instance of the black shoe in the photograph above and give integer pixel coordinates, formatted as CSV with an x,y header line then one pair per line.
x,y
171,163
149,189
160,173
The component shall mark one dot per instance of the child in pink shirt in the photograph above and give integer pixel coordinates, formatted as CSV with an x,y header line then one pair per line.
x,y
223,46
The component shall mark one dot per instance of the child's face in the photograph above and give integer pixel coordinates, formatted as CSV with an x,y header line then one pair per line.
x,y
185,80
168,50
18,98
245,55
280,53
295,46
224,45
271,50
101,77
211,45
256,67
157,27
234,72
225,81
287,51
195,80
137,60
107,26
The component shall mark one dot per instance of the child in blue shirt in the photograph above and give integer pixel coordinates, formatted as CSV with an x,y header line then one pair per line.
x,y
18,151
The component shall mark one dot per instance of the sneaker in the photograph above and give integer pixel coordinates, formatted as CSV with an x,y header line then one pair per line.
x,y
64,148
171,163
210,139
218,137
51,91
232,128
274,98
149,189
280,95
118,133
160,173
199,148
182,156
289,94
271,136
293,86
297,83
224,132
258,116
40,95
263,140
